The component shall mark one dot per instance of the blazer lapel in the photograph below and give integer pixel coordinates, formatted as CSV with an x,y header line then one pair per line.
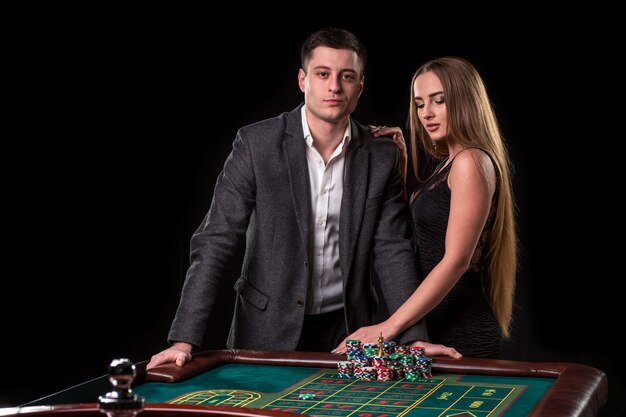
x,y
353,200
298,171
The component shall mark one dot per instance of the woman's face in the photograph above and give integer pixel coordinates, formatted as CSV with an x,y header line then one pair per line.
x,y
431,105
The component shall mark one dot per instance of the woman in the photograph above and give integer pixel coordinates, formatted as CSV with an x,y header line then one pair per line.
x,y
463,215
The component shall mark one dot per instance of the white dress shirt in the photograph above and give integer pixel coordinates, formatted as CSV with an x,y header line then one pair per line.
x,y
325,287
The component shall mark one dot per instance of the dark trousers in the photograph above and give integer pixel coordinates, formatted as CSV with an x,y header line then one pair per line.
x,y
322,332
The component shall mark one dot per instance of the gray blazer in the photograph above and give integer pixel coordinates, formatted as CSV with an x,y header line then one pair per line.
x,y
256,237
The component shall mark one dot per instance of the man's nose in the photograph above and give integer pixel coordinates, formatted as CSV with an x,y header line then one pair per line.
x,y
335,84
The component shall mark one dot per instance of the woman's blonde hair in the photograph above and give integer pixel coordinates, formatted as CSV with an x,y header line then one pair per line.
x,y
472,123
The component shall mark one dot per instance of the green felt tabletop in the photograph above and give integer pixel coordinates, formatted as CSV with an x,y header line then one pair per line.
x,y
279,388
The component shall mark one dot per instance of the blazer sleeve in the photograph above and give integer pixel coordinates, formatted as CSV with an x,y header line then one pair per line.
x,y
393,254
217,246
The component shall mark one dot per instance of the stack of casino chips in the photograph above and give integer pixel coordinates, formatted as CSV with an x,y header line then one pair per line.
x,y
383,371
425,366
369,373
389,347
405,350
398,361
379,361
353,348
412,373
407,360
422,363
346,369
398,371
416,351
393,361
370,349
359,363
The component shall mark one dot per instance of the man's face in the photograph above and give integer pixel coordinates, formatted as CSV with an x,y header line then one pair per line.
x,y
332,84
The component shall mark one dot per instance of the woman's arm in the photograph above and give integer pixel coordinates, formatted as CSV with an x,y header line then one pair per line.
x,y
472,184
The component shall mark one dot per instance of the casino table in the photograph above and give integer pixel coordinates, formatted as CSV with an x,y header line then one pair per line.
x,y
246,383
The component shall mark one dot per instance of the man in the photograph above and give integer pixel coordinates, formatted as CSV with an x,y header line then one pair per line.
x,y
305,202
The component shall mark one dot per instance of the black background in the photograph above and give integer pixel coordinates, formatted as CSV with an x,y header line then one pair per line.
x,y
121,126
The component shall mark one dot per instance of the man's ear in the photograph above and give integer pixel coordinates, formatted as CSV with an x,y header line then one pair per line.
x,y
301,77
361,85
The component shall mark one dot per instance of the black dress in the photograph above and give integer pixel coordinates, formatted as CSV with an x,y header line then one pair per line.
x,y
463,320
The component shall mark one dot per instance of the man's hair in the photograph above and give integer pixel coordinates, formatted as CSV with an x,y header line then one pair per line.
x,y
335,38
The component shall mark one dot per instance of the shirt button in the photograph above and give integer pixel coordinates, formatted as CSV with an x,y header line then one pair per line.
x,y
318,253
300,303
324,191
320,223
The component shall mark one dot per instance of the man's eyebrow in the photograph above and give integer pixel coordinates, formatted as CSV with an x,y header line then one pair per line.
x,y
324,67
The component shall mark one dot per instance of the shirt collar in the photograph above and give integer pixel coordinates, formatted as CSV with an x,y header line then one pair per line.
x,y
309,139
